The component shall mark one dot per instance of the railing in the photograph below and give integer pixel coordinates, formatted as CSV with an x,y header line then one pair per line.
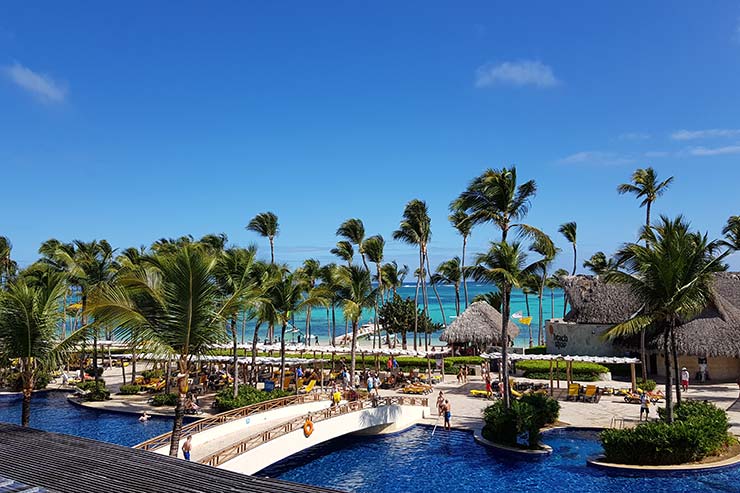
x,y
225,417
232,451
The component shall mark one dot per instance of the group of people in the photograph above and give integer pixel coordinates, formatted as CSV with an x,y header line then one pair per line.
x,y
444,408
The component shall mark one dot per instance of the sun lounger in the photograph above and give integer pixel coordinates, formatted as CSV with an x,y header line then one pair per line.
x,y
478,393
590,394
573,392
308,388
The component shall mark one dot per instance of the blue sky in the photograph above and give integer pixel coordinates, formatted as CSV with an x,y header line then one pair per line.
x,y
143,120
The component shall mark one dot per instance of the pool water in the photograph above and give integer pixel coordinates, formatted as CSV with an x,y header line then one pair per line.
x,y
51,411
452,462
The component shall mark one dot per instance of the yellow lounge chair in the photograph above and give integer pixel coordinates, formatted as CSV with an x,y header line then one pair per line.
x,y
479,393
591,394
308,388
516,394
573,391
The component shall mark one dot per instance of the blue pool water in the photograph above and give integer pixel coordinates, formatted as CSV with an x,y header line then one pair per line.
x,y
51,411
452,462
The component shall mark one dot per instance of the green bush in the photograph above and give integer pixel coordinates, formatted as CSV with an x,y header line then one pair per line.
x,y
586,377
247,396
16,381
165,399
91,384
587,372
646,385
536,350
522,421
699,430
129,389
147,374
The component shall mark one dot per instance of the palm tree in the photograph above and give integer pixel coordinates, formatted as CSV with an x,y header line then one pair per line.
x,y
266,225
7,265
173,302
557,277
344,251
309,273
530,285
543,246
171,245
233,274
374,247
493,298
450,272
214,243
393,277
29,313
356,294
732,233
505,266
671,276
328,276
599,263
551,283
568,230
415,229
645,186
354,231
461,222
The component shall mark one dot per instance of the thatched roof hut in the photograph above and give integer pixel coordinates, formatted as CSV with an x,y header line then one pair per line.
x,y
713,333
479,324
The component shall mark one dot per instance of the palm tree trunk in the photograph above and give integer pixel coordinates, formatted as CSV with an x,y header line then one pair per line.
x,y
282,355
27,391
552,303
668,374
462,269
457,299
308,326
575,258
676,366
182,389
234,337
540,312
643,355
272,250
505,313
416,299
526,300
333,323
353,351
436,293
255,338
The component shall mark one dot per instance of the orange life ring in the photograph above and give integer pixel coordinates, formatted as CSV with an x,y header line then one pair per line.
x,y
308,428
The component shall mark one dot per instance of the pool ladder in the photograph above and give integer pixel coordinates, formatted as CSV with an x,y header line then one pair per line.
x,y
617,423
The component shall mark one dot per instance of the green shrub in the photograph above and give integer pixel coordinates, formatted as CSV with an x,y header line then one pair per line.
x,y
536,350
91,384
165,399
99,394
129,389
646,385
699,430
16,381
148,374
522,421
247,396
588,372
546,376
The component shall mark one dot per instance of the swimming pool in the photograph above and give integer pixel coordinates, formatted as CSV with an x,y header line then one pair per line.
x,y
51,411
452,462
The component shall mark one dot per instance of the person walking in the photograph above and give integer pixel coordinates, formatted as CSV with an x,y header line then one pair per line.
x,y
684,379
187,447
448,414
644,406
441,403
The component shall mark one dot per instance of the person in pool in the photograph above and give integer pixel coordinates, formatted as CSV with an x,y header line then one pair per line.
x,y
144,417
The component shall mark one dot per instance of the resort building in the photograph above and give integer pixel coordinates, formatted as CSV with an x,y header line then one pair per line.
x,y
710,342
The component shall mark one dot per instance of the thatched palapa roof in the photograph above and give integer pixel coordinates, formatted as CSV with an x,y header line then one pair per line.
x,y
480,323
714,332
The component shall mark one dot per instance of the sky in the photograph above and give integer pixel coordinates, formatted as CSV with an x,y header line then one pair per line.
x,y
141,120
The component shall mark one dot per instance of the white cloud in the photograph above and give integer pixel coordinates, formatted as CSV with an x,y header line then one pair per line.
x,y
714,151
705,134
634,136
596,158
520,73
39,85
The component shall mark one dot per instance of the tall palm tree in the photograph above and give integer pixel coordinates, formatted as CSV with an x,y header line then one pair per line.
x,y
344,251
646,186
173,302
415,229
309,272
214,243
233,274
568,230
266,225
530,285
450,272
29,313
356,294
461,222
671,276
354,231
328,276
8,266
374,247
505,266
599,263
551,283
543,246
557,278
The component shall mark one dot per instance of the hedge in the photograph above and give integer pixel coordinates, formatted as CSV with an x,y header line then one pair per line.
x,y
129,389
247,396
699,430
588,372
165,399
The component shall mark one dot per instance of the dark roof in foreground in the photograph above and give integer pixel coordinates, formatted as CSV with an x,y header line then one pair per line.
x,y
68,464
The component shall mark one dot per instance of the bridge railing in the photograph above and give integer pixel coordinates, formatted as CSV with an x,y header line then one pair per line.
x,y
232,451
225,417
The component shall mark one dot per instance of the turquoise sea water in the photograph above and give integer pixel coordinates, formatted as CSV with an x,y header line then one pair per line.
x,y
320,319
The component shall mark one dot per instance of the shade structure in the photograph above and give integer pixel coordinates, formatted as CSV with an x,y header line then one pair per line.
x,y
479,324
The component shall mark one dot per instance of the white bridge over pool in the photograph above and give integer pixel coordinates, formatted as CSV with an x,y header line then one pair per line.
x,y
249,439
